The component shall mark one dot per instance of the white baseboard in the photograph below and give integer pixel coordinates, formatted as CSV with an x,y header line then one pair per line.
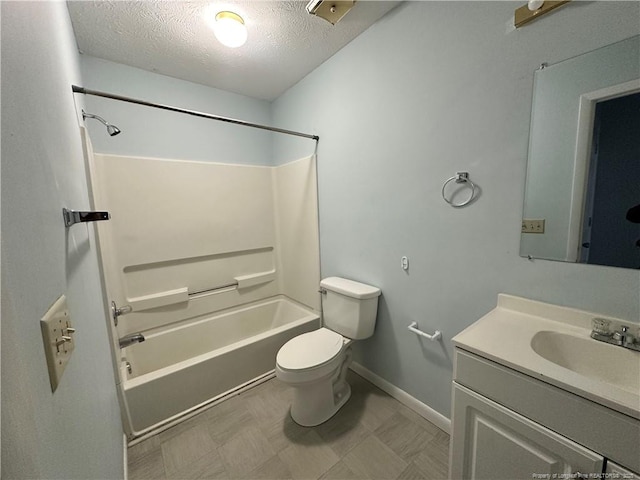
x,y
425,411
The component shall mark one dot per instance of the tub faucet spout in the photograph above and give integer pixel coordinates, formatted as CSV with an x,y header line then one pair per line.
x,y
131,339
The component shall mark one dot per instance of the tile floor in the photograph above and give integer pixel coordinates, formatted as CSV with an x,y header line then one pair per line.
x,y
252,436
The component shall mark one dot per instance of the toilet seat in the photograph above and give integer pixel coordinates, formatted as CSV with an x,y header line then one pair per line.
x,y
310,350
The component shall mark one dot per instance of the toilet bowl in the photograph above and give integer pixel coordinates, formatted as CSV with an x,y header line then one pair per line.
x,y
315,364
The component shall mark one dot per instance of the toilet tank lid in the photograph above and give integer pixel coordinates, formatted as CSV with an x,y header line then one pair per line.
x,y
350,288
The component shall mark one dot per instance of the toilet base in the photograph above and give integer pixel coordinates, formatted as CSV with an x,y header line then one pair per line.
x,y
314,405
316,402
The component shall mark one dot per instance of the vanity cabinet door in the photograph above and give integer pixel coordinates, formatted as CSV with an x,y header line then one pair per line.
x,y
619,472
490,441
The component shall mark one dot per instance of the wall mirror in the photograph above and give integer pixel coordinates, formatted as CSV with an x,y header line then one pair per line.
x,y
582,197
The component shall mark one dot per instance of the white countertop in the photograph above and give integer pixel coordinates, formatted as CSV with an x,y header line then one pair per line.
x,y
504,335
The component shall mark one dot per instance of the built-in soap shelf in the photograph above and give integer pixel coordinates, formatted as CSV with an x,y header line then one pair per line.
x,y
182,295
160,299
253,279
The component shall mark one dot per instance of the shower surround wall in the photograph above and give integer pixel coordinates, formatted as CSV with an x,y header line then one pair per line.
x,y
220,265
180,226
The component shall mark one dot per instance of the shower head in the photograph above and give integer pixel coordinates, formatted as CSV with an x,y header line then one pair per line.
x,y
111,129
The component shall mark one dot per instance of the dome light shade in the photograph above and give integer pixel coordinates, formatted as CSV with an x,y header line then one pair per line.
x,y
230,30
534,5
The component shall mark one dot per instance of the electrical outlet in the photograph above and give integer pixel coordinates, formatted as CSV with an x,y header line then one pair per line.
x,y
533,225
57,334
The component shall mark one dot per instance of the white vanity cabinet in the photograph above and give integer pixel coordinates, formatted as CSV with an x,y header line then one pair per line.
x,y
493,442
507,425
615,471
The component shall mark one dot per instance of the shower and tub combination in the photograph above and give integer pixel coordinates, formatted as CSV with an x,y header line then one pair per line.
x,y
180,368
209,268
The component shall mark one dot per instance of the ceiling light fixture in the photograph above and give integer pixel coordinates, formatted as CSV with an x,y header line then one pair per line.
x,y
229,29
535,9
533,5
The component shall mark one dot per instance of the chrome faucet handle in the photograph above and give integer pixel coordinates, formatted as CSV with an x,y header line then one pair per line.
x,y
116,312
627,337
601,326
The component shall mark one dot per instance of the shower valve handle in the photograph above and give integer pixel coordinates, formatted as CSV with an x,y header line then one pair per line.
x,y
116,312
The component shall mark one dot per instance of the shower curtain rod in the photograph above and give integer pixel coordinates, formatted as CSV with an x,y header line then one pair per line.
x,y
97,93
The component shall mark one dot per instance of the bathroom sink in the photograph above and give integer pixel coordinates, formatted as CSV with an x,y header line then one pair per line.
x,y
552,343
592,359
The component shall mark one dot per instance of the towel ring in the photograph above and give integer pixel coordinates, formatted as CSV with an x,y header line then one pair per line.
x,y
459,177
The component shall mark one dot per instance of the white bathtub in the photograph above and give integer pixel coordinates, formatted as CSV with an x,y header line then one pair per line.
x,y
178,369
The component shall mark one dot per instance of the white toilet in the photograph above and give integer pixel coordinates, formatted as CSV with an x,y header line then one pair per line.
x,y
315,364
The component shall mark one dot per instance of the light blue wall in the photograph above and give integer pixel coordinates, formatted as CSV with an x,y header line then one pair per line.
x,y
149,132
75,432
431,89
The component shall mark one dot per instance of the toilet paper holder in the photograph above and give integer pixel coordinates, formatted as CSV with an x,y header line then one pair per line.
x,y
437,335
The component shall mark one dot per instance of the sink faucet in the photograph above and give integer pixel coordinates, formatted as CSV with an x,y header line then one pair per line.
x,y
130,339
623,337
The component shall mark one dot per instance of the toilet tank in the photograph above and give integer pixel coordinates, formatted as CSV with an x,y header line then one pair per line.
x,y
349,308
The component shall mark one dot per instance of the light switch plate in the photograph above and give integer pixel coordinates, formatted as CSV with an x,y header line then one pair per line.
x,y
57,334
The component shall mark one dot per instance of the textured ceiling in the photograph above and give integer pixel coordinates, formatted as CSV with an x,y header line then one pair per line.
x,y
172,38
